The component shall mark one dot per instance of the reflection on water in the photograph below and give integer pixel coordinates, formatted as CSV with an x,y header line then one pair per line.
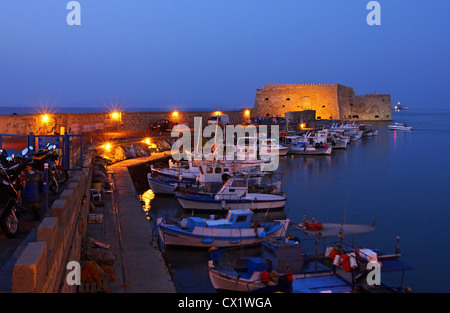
x,y
146,198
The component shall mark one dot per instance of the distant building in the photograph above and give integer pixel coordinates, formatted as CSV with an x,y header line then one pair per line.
x,y
329,101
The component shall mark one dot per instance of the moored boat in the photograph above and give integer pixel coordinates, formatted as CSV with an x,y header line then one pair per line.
x,y
284,265
236,229
306,149
282,262
233,195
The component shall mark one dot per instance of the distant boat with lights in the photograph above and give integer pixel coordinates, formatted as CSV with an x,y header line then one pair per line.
x,y
400,126
399,107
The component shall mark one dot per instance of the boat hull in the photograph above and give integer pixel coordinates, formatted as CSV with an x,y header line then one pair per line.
x,y
403,128
219,238
313,151
222,281
161,187
210,204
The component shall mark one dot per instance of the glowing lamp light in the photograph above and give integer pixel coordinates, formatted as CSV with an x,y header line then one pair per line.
x,y
175,114
147,141
45,118
302,125
247,112
116,115
107,146
217,113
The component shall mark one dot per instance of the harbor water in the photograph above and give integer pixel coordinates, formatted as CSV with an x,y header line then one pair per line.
x,y
399,180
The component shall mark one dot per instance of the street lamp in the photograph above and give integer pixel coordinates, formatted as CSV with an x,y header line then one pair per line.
x,y
45,118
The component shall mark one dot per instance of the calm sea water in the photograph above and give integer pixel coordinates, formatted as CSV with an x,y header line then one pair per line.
x,y
399,179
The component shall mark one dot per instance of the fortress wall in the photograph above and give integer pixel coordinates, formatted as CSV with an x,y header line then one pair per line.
x,y
372,107
277,99
330,101
345,96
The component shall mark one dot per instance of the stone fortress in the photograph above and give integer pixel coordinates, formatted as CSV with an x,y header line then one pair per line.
x,y
329,101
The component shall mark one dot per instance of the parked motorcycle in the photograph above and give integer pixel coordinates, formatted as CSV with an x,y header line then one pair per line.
x,y
10,184
37,162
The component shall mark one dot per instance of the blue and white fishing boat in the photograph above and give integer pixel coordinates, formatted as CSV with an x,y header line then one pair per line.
x,y
235,230
233,195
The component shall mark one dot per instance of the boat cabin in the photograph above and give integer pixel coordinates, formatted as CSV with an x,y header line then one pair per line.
x,y
283,255
233,188
214,171
293,140
235,219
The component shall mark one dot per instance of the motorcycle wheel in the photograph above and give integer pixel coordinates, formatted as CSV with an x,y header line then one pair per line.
x,y
9,223
61,174
54,187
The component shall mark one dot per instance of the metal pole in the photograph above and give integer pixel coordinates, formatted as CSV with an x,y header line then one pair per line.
x,y
30,141
66,151
45,189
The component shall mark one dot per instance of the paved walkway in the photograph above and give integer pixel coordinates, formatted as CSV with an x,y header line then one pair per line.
x,y
139,265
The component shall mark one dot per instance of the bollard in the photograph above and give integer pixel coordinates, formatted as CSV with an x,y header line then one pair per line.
x,y
45,190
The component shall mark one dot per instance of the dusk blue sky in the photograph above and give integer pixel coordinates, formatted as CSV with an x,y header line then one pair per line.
x,y
199,54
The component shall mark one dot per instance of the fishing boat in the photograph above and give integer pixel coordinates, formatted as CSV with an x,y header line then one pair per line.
x,y
233,195
159,186
177,172
284,265
308,149
282,262
270,146
211,175
400,126
237,229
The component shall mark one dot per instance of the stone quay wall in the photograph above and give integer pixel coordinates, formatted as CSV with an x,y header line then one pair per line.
x,y
41,266
77,123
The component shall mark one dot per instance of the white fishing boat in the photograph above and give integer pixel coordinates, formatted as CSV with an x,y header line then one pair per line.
x,y
233,195
270,146
400,126
349,129
308,149
210,173
237,229
164,186
178,172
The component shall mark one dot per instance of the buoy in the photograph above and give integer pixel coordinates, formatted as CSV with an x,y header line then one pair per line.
x,y
264,277
345,261
332,253
336,259
289,276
